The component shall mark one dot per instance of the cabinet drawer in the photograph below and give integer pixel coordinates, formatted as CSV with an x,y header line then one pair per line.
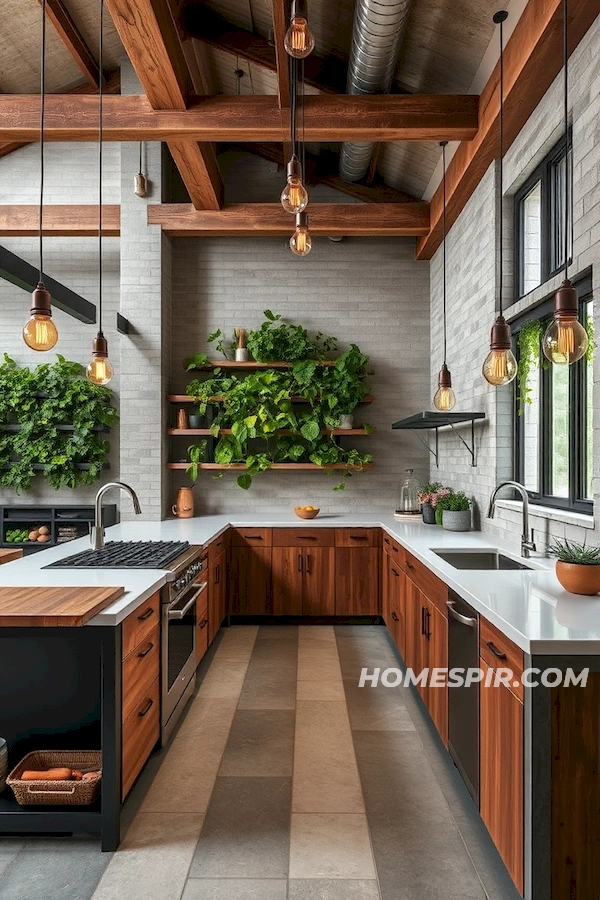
x,y
357,537
141,731
427,582
252,537
304,537
140,671
202,625
218,545
392,548
140,623
500,653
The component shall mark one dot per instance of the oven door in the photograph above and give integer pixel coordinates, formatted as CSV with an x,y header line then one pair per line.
x,y
178,647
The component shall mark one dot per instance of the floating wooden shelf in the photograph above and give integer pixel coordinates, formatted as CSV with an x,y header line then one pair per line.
x,y
232,364
206,432
299,466
185,398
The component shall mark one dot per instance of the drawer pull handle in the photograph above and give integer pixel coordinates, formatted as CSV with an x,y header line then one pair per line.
x,y
203,624
394,548
253,537
358,537
495,650
397,574
146,615
143,712
395,617
307,537
300,564
409,565
386,541
145,652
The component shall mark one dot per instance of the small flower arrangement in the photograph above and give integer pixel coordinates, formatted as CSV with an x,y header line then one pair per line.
x,y
431,493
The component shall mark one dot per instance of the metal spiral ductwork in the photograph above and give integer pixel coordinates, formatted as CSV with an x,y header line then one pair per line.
x,y
376,38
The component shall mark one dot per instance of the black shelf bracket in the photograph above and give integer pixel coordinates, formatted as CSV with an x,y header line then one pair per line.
x,y
433,421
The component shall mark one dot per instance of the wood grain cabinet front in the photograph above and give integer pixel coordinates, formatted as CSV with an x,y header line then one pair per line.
x,y
303,581
140,623
202,620
357,581
140,670
249,580
141,731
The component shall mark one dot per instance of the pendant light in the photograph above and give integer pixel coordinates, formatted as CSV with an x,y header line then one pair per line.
x,y
294,197
500,365
565,339
299,41
300,241
100,370
140,182
40,331
444,399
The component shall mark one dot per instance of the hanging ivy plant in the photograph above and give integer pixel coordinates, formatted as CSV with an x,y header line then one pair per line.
x,y
51,421
530,338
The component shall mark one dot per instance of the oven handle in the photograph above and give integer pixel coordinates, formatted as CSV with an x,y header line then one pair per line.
x,y
180,613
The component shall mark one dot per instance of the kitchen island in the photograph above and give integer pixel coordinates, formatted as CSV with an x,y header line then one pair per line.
x,y
539,745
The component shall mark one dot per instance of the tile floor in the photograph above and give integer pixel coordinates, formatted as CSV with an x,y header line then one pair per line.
x,y
285,781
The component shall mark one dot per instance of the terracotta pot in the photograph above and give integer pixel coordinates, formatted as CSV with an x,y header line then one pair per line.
x,y
578,579
184,505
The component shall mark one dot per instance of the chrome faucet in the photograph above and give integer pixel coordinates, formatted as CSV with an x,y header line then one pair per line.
x,y
527,542
97,529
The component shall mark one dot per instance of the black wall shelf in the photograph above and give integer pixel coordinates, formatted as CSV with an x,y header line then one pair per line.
x,y
433,421
53,517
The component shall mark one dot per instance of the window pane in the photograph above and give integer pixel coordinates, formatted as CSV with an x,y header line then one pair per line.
x,y
560,213
531,248
531,433
589,437
560,430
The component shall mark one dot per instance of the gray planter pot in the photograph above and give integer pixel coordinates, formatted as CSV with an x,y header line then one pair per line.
x,y
456,520
347,421
428,513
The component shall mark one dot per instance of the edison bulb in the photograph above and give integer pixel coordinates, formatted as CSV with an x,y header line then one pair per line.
x,y
499,367
444,399
40,332
99,370
565,341
294,196
300,241
299,40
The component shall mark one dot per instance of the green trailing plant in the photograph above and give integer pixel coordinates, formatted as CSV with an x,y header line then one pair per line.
x,y
589,327
530,337
52,419
196,456
575,553
196,362
219,340
279,341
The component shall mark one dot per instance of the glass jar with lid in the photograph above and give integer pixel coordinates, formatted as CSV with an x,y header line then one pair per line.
x,y
408,499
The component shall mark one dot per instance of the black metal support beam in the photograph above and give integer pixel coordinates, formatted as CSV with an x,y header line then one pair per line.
x,y
19,272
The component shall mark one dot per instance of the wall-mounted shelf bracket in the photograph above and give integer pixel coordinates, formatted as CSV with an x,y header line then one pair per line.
x,y
433,421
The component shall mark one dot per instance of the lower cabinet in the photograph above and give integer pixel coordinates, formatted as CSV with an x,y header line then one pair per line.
x,y
217,593
202,628
357,581
303,581
249,579
501,772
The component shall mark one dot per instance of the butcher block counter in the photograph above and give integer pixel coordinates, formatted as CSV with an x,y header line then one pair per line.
x,y
51,607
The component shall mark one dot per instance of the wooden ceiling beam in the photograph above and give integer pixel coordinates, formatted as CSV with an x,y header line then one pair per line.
x,y
271,220
73,41
533,58
243,119
60,220
327,76
284,86
152,43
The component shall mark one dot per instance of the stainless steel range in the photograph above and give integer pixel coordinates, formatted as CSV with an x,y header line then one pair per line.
x,y
179,604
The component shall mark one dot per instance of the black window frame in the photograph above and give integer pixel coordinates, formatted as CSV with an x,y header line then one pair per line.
x,y
548,219
576,501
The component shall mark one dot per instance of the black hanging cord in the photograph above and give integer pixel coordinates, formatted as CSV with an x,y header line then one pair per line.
x,y
293,100
141,146
501,166
42,117
302,112
568,185
444,240
100,135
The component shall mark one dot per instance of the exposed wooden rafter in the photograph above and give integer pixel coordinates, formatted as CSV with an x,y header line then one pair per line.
x,y
60,220
284,86
243,119
73,41
152,42
533,58
271,220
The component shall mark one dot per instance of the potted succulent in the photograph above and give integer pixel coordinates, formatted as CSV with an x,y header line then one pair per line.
x,y
428,495
453,511
577,567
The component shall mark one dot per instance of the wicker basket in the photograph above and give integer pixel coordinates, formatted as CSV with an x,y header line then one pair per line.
x,y
57,793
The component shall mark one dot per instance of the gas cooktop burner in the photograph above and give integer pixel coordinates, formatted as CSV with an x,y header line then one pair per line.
x,y
125,555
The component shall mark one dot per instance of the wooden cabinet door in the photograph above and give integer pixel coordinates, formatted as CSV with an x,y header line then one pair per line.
x,y
437,697
357,581
250,580
501,772
394,577
386,610
318,595
413,643
287,578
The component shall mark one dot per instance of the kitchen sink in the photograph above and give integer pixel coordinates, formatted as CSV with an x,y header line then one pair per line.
x,y
479,559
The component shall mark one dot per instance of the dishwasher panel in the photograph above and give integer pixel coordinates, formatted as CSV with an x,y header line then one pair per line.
x,y
463,702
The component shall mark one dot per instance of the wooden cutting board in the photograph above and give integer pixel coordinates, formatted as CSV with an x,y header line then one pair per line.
x,y
9,555
53,607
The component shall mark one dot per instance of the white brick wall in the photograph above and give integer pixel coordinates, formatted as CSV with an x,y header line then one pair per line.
x,y
472,271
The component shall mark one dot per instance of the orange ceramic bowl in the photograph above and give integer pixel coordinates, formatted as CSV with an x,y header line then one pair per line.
x,y
578,579
303,513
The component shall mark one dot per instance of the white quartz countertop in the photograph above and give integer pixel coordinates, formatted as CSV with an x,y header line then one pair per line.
x,y
529,606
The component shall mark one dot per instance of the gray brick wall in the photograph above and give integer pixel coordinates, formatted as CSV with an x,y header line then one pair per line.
x,y
71,177
370,292
472,270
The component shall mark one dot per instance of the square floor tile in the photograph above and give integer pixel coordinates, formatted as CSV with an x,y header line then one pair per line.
x,y
332,889
235,889
329,845
261,744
